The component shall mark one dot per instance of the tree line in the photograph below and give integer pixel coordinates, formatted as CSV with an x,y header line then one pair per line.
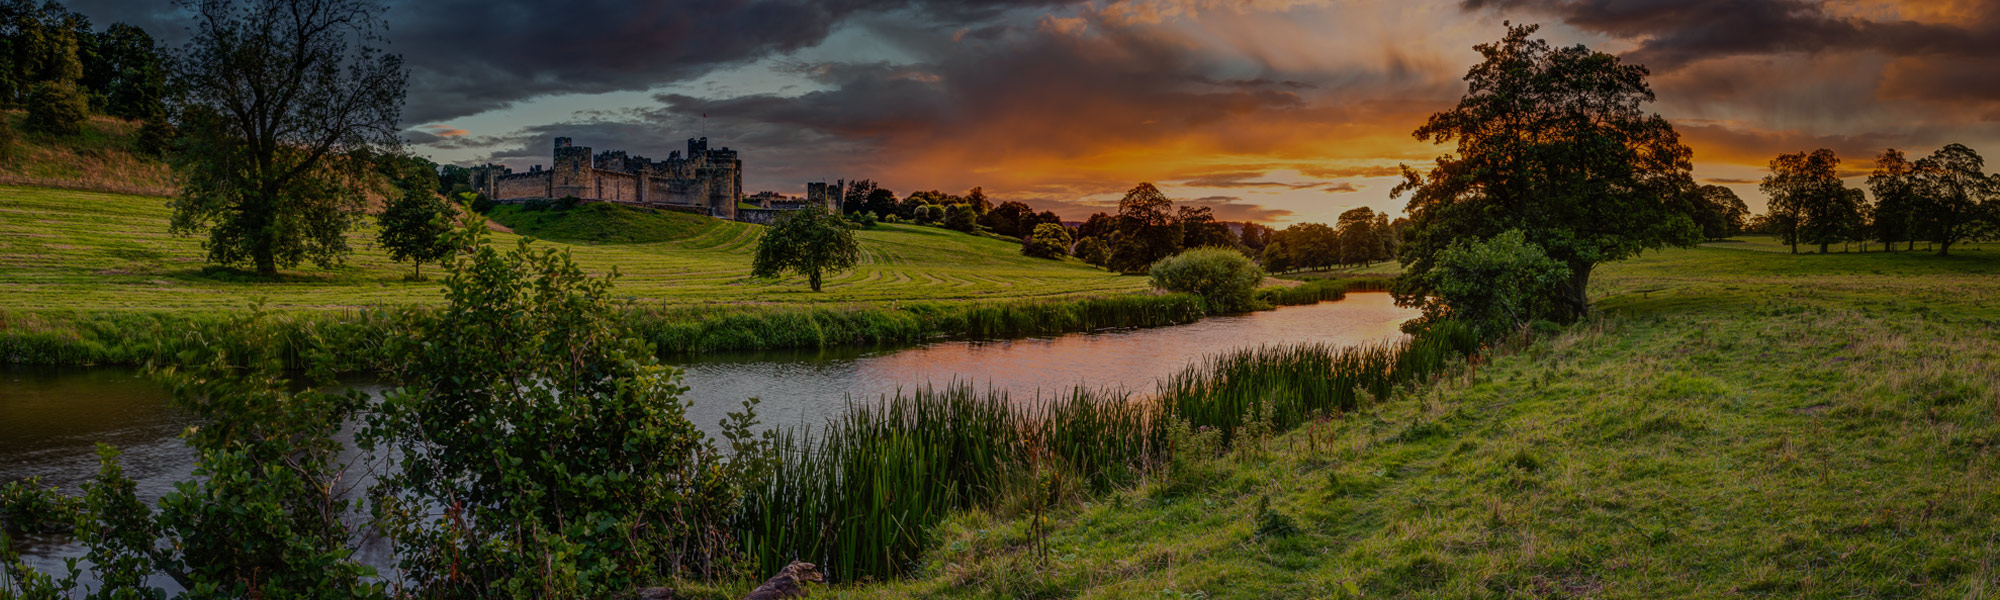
x,y
1943,199
60,68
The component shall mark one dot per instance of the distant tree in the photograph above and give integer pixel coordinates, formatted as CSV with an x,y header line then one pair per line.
x,y
1049,240
809,241
415,225
1494,284
977,198
1719,212
1552,142
1006,219
1099,226
961,217
882,202
1388,236
1277,255
56,108
1359,244
1223,277
1199,229
1309,246
1147,231
1092,251
285,100
453,179
856,200
130,72
1958,197
1254,237
1807,198
1897,199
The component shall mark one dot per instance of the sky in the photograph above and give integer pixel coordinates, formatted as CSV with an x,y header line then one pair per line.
x,y
1275,111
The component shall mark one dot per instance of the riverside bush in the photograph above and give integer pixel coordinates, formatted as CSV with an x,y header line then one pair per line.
x,y
1224,278
1494,285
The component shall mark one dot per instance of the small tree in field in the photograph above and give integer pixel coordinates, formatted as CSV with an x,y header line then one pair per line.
x,y
1050,240
1092,251
416,224
811,242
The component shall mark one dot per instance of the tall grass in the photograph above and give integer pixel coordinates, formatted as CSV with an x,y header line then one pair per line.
x,y
862,495
1318,290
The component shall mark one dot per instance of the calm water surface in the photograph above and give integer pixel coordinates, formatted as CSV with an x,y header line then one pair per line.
x,y
52,418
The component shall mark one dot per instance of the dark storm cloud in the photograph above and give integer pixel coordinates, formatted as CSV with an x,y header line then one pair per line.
x,y
469,56
1675,33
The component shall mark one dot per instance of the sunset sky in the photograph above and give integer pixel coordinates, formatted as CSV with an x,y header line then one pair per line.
x,y
1279,111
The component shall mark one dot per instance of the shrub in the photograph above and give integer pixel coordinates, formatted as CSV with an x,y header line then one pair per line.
x,y
961,217
1049,240
1495,284
1224,278
863,219
1092,250
156,136
56,109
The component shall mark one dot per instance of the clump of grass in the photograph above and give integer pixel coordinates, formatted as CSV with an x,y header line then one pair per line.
x,y
1315,291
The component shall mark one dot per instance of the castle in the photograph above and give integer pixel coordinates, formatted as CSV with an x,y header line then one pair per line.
x,y
708,181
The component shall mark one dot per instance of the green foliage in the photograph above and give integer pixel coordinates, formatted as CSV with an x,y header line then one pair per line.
x,y
1718,212
1958,201
415,225
809,241
555,441
1147,231
1271,523
1494,285
1552,142
1317,290
56,109
274,186
961,217
1092,251
156,136
1224,278
1049,240
1809,204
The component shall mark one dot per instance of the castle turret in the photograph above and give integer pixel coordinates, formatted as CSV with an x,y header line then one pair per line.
x,y
570,175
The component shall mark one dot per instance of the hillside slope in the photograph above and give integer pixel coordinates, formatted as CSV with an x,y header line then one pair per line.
x,y
63,250
1736,424
104,157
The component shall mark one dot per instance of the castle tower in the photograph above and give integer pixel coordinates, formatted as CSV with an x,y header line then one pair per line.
x,y
570,174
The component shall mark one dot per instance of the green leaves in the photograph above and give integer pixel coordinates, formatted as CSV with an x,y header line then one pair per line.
x,y
809,241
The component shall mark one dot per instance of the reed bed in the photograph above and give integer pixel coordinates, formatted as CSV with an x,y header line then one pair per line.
x,y
1318,290
862,495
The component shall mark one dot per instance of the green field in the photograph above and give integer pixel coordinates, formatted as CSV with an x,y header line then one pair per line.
x,y
1733,424
90,251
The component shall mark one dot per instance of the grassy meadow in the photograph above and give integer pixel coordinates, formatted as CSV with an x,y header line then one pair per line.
x,y
71,250
1732,424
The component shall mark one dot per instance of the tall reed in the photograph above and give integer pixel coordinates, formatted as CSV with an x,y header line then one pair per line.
x,y
861,496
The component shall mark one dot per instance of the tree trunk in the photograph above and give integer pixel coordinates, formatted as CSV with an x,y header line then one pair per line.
x,y
1579,285
1822,247
1944,249
813,278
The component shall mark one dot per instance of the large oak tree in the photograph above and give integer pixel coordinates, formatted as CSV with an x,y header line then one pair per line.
x,y
284,101
1552,142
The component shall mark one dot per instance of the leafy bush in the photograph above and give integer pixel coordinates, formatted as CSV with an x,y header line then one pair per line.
x,y
1495,284
56,109
1049,240
1092,250
556,444
863,219
1224,278
961,217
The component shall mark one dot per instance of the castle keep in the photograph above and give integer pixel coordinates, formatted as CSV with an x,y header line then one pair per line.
x,y
709,181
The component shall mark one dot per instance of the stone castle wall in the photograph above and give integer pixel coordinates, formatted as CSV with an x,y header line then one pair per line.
x,y
707,179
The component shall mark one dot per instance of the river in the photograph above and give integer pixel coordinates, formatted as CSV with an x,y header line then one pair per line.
x,y
52,418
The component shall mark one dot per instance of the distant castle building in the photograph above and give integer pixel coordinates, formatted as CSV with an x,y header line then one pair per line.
x,y
709,181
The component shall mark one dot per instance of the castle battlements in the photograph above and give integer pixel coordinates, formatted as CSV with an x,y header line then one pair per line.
x,y
706,180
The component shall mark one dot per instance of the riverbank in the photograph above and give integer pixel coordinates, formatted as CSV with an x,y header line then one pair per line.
x,y
1734,423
